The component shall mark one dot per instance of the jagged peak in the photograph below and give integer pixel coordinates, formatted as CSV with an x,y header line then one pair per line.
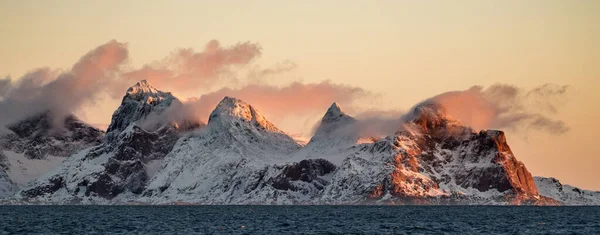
x,y
335,108
231,108
336,123
430,110
430,116
335,114
496,134
139,101
141,87
143,91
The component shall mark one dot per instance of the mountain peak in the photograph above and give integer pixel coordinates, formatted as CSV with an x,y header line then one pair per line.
x,y
230,109
235,120
336,124
432,116
335,108
334,114
430,109
143,87
234,107
139,101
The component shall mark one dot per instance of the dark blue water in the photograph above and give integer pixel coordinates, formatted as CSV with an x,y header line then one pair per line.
x,y
298,220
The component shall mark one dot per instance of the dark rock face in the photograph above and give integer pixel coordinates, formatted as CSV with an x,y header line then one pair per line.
x,y
36,138
146,146
53,185
515,171
125,170
306,171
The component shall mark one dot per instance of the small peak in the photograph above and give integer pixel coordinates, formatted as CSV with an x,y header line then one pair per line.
x,y
432,117
430,112
232,107
334,121
430,109
142,87
335,107
231,102
143,83
140,101
144,92
495,133
334,113
497,136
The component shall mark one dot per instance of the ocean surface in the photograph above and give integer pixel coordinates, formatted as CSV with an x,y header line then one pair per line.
x,y
298,220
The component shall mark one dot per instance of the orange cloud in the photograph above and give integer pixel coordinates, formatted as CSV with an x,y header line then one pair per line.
x,y
186,69
279,102
503,106
63,92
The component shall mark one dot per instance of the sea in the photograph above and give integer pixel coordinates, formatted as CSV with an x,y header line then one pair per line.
x,y
299,220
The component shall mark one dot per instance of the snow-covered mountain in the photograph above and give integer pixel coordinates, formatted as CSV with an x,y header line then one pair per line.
x,y
34,146
239,157
336,133
433,158
36,137
235,159
566,194
122,163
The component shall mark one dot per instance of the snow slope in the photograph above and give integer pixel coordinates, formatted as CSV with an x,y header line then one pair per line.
x,y
7,187
566,194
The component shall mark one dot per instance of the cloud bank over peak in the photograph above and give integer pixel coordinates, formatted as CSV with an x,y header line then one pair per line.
x,y
63,92
101,75
186,69
502,106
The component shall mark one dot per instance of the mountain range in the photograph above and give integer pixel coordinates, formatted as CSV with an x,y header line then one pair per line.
x,y
239,157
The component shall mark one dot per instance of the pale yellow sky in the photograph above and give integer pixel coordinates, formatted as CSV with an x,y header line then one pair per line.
x,y
404,50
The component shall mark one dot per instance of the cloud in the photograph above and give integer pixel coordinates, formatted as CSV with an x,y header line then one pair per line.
x,y
259,75
503,106
186,69
63,92
499,106
278,102
379,123
4,86
101,72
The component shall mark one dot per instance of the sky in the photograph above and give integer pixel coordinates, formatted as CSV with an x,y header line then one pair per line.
x,y
387,55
